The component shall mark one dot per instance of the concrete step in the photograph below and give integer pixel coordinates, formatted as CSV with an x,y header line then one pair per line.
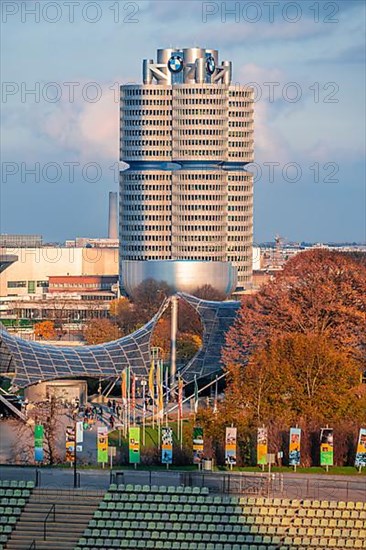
x,y
74,509
51,530
39,537
65,498
43,510
70,492
42,545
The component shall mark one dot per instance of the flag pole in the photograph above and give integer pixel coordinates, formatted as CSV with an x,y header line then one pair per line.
x,y
180,411
133,391
167,393
143,382
216,395
128,397
195,397
152,387
160,401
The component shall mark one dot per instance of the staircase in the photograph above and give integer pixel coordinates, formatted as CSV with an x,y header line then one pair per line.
x,y
73,510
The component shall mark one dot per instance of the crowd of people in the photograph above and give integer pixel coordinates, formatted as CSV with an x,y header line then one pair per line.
x,y
92,413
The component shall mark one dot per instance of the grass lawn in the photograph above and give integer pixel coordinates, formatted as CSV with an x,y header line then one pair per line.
x,y
333,470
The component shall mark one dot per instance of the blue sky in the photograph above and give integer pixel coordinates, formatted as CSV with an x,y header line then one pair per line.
x,y
311,54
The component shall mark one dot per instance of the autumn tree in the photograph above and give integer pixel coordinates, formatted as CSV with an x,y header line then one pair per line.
x,y
50,415
299,376
319,292
161,336
187,346
296,350
188,319
124,313
148,297
99,331
208,292
45,330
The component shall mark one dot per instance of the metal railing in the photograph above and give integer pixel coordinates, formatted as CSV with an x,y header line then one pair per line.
x,y
52,509
37,482
33,545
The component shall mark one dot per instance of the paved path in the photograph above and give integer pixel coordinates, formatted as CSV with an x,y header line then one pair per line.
x,y
305,486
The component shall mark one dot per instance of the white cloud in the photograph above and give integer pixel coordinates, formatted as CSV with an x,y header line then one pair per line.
x,y
88,129
270,145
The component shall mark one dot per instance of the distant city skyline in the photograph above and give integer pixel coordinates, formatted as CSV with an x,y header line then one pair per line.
x,y
310,118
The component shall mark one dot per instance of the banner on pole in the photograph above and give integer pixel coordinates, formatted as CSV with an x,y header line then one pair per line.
x,y
166,445
102,444
197,445
195,395
124,386
79,432
230,446
326,447
134,445
70,443
262,445
38,443
159,388
294,448
360,461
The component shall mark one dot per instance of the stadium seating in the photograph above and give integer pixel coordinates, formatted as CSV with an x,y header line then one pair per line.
x,y
189,518
13,498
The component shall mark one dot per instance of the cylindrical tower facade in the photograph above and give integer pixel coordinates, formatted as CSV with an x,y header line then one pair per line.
x,y
187,134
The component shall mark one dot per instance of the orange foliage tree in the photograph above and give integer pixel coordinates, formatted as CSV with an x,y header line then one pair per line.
x,y
99,331
45,330
296,352
319,292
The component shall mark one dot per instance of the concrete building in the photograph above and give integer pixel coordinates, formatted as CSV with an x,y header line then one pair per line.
x,y
186,135
92,242
20,241
30,273
28,283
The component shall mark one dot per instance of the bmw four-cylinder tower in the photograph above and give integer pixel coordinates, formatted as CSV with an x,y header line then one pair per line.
x,y
186,199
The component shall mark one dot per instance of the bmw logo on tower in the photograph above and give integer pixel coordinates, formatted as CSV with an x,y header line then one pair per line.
x,y
175,64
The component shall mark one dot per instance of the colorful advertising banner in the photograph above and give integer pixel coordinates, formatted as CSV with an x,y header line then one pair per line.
x,y
102,444
326,447
38,443
134,444
197,445
230,446
159,389
70,443
79,432
360,461
294,449
166,445
124,387
262,445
